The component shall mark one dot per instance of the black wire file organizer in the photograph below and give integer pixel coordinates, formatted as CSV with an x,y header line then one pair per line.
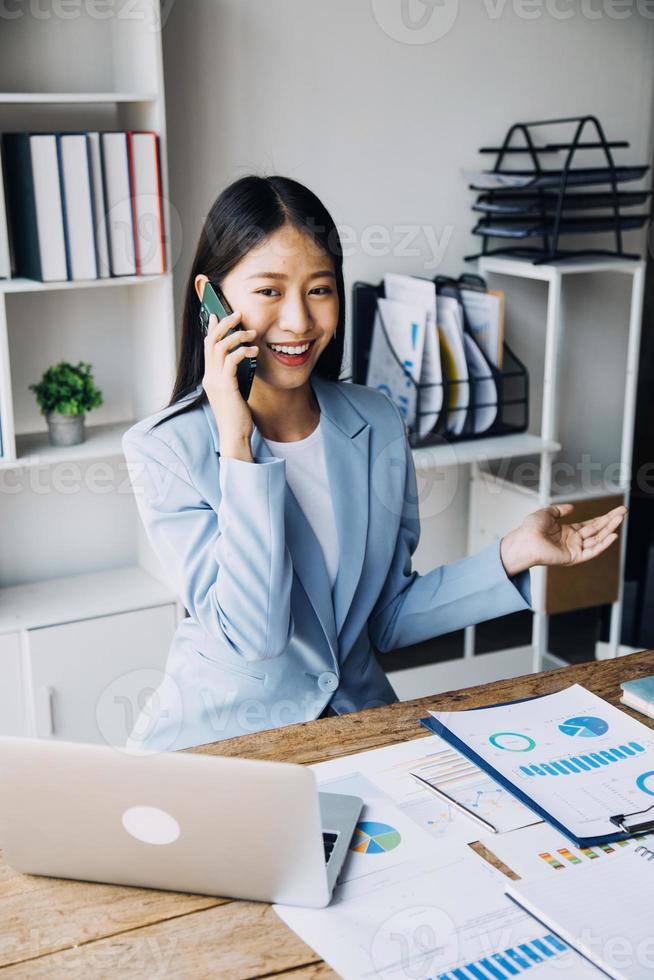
x,y
509,405
548,204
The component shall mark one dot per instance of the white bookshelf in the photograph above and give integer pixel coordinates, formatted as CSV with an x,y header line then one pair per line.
x,y
102,441
509,477
20,285
568,402
75,567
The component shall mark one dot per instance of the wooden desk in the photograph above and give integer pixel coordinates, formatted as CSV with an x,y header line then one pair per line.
x,y
52,927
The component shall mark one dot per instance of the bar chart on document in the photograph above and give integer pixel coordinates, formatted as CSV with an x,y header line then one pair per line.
x,y
447,918
574,754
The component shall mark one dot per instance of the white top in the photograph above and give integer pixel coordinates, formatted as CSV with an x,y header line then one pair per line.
x,y
306,475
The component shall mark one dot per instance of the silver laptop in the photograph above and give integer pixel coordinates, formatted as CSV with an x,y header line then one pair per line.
x,y
203,824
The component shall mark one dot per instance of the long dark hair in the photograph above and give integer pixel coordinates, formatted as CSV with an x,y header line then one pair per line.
x,y
245,213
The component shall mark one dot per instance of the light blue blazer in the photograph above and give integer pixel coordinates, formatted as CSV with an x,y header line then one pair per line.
x,y
266,642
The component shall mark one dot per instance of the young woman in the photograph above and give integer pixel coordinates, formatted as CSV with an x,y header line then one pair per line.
x,y
287,523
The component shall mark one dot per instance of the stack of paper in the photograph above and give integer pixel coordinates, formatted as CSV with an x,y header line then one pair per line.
x,y
420,350
413,901
444,915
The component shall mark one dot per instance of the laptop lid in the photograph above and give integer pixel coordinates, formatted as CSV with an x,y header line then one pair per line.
x,y
210,825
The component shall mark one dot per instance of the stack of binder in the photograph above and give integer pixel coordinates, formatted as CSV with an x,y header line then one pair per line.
x,y
437,349
82,205
548,203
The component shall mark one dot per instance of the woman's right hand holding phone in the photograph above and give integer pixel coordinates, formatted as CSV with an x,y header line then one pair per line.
x,y
231,411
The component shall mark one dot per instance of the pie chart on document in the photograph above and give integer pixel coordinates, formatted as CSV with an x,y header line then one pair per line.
x,y
371,837
585,726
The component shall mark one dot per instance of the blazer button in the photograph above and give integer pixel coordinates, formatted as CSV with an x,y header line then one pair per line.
x,y
327,681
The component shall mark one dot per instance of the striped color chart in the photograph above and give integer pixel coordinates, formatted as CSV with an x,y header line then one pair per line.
x,y
583,763
592,853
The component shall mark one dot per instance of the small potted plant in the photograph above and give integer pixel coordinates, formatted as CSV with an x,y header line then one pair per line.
x,y
64,394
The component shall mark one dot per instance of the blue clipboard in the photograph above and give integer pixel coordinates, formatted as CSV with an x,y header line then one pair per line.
x,y
438,728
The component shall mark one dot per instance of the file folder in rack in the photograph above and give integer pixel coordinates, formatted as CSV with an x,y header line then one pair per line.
x,y
511,382
595,777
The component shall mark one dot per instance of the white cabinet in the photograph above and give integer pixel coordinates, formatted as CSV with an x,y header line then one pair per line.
x,y
83,600
12,695
87,680
79,654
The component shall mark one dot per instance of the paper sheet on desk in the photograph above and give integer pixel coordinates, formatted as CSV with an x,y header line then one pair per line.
x,y
417,919
383,777
542,851
604,911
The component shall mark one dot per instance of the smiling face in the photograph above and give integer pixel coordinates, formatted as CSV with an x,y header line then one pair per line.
x,y
285,289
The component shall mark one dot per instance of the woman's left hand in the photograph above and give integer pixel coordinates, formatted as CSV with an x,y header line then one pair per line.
x,y
542,538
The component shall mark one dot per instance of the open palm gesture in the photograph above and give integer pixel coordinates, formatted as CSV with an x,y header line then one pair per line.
x,y
543,538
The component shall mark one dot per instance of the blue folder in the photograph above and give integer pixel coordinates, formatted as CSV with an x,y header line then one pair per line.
x,y
438,728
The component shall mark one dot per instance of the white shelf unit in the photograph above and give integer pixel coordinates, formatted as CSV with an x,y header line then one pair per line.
x,y
511,476
501,497
73,98
481,450
85,606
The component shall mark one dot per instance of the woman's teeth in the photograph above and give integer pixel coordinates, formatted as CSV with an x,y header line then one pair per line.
x,y
290,350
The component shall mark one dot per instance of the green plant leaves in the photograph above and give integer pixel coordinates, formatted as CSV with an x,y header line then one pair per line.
x,y
67,389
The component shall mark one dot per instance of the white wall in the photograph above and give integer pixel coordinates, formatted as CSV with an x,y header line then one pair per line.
x,y
325,92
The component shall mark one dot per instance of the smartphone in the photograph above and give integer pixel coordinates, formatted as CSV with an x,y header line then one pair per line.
x,y
214,301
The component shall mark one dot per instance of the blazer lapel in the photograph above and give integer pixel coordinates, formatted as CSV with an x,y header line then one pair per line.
x,y
346,439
